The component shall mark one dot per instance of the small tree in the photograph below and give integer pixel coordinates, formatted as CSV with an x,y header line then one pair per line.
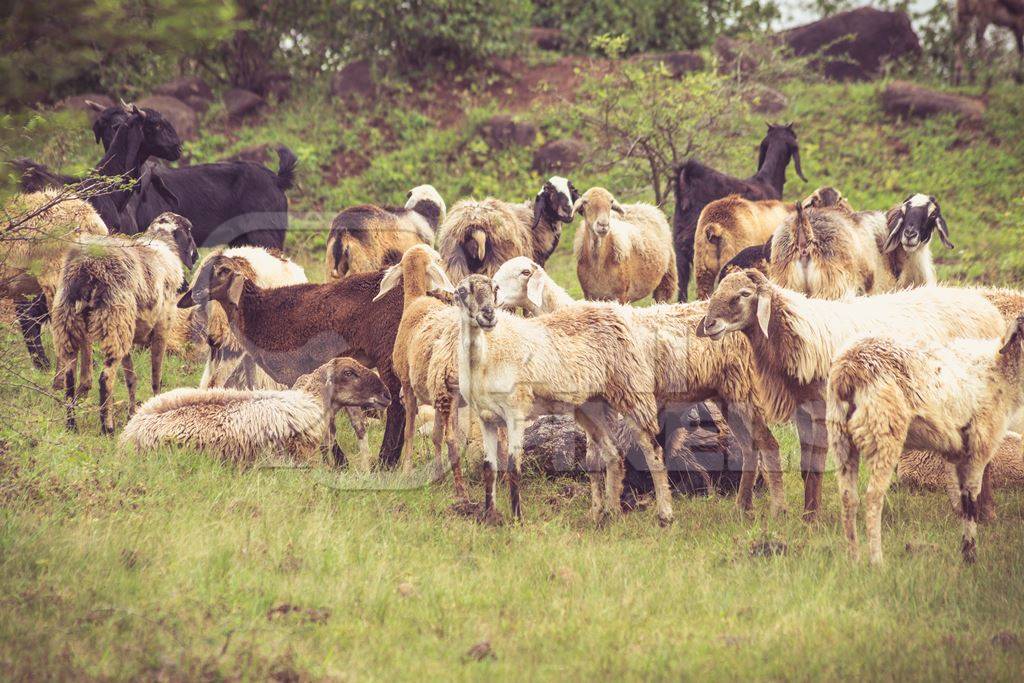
x,y
646,122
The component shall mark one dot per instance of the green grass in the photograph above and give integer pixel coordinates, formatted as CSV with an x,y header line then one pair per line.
x,y
173,566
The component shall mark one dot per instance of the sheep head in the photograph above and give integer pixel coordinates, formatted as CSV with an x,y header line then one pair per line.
x,y
224,284
427,201
160,139
911,224
349,383
519,283
421,269
476,297
178,231
781,135
596,206
826,197
741,301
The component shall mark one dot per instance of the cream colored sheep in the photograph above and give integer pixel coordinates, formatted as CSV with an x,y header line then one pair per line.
x,y
120,292
686,369
794,340
240,426
726,227
886,394
623,253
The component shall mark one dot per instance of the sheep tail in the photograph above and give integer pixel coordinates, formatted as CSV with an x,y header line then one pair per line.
x,y
286,162
84,293
479,236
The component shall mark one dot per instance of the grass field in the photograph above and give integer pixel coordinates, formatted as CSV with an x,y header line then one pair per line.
x,y
174,567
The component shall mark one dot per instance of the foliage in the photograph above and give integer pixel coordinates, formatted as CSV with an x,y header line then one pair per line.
x,y
653,24
50,48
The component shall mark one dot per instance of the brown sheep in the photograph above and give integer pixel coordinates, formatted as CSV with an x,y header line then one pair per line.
x,y
368,238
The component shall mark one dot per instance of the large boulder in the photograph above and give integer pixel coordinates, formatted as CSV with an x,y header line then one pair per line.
x,y
240,103
554,445
354,81
502,132
183,117
856,44
558,155
679,63
184,88
78,103
910,100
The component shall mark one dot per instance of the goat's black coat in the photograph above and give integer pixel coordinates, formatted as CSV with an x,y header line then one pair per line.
x,y
697,185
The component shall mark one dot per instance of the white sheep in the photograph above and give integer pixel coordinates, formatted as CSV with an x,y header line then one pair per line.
x,y
624,252
957,399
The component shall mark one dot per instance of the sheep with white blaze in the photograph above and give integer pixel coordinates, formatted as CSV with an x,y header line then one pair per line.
x,y
624,252
957,399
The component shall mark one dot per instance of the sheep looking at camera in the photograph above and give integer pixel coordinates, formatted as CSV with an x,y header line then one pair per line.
x,y
369,238
240,426
623,252
478,236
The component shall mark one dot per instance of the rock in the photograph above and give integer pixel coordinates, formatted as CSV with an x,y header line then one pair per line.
x,y
907,100
241,103
183,117
277,84
257,154
558,155
547,38
77,103
200,104
739,55
355,80
765,100
184,88
555,446
680,63
877,37
502,132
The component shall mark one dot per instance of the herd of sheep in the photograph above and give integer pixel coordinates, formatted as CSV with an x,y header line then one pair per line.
x,y
813,313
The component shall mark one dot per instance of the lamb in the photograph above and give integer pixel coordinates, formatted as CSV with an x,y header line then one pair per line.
x,y
41,226
687,369
834,254
623,253
120,292
826,197
696,185
290,331
956,399
726,227
425,356
478,236
367,238
581,360
794,340
240,426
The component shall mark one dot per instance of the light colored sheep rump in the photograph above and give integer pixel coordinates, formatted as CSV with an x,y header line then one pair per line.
x,y
728,226
220,421
623,252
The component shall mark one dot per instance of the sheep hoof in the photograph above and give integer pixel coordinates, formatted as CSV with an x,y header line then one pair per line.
x,y
969,549
666,520
41,363
492,517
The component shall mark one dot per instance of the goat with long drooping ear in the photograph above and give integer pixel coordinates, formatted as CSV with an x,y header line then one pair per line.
x,y
912,223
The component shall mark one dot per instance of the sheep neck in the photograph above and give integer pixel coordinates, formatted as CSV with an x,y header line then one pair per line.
x,y
472,356
773,170
553,298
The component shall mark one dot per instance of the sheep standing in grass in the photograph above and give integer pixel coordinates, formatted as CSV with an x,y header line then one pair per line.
x,y
956,399
369,238
240,426
478,236
623,253
121,293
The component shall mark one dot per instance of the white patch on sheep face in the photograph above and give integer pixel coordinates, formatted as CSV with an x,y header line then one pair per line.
x,y
919,200
424,193
562,185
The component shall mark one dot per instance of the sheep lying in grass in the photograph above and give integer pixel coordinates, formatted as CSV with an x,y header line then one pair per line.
x,y
794,340
120,292
623,253
41,226
581,360
478,236
240,426
369,238
956,399
686,369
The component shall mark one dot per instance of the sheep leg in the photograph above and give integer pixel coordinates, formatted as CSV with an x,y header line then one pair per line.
x,y
759,447
131,380
969,473
84,369
66,369
489,433
596,464
883,465
357,418
156,353
394,423
848,458
108,378
684,259
656,464
953,487
409,403
663,292
31,314
813,436
986,503
515,427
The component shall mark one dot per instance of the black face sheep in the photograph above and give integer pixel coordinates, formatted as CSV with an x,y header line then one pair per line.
x,y
240,426
696,185
121,293
478,236
954,398
368,238
292,330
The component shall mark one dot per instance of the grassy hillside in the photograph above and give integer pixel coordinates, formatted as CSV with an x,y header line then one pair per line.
x,y
173,567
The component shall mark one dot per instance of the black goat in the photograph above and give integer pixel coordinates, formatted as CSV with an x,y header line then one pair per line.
x,y
697,185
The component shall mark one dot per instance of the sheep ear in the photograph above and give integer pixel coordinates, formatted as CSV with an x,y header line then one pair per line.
x,y
186,300
578,206
1013,334
95,106
439,279
764,311
940,223
617,208
701,332
535,288
894,222
391,277
235,288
